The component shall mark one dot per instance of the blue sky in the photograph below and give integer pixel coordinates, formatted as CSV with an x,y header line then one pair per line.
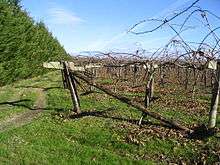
x,y
101,25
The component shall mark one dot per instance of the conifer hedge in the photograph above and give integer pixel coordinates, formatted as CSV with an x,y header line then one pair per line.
x,y
24,44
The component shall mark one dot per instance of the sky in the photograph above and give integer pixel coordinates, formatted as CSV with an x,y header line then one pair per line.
x,y
102,25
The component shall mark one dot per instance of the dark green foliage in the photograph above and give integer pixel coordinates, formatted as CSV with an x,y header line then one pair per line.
x,y
24,44
13,2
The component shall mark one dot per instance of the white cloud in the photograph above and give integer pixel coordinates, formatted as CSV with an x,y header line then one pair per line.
x,y
60,16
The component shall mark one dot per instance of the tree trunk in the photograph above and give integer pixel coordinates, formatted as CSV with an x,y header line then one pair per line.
x,y
215,99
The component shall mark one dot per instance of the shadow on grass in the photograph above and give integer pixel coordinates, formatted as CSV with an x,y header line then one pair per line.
x,y
39,87
87,93
202,133
23,103
105,114
18,103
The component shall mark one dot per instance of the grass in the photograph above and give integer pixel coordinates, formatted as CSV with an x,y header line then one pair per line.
x,y
14,100
46,142
108,137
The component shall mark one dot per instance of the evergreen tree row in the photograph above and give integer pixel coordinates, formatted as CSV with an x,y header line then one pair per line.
x,y
24,44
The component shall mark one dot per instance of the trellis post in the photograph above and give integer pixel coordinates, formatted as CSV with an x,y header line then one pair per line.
x,y
72,87
215,98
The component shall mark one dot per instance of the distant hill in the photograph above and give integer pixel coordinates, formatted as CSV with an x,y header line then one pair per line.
x,y
24,44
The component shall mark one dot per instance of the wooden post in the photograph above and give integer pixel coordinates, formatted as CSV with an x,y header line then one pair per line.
x,y
65,83
215,98
69,80
72,88
149,91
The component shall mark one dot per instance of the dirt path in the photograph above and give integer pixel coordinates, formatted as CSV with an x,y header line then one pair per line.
x,y
19,120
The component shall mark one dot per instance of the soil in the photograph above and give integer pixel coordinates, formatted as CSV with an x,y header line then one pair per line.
x,y
21,119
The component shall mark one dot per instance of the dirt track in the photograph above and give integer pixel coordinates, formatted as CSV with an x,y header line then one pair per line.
x,y
19,120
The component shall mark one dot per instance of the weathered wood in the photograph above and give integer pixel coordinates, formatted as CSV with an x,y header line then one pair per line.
x,y
77,68
59,66
72,88
149,92
74,82
134,104
215,99
53,65
149,89
93,66
71,66
212,64
65,83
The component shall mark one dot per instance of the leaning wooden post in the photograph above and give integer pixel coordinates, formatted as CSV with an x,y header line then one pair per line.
x,y
65,84
134,104
215,98
72,88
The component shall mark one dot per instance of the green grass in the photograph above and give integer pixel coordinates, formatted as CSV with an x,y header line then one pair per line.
x,y
47,142
15,101
105,138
